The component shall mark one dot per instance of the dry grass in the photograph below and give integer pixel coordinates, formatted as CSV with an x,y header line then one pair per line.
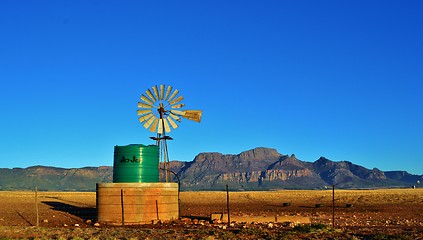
x,y
387,211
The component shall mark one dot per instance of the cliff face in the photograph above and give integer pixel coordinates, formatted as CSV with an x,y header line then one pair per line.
x,y
256,169
265,168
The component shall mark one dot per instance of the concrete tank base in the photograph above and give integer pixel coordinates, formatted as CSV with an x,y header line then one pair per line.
x,y
136,203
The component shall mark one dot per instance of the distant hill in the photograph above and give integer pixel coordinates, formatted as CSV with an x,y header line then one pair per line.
x,y
54,179
256,169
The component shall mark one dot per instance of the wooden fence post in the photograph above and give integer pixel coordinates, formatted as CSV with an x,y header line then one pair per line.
x,y
36,206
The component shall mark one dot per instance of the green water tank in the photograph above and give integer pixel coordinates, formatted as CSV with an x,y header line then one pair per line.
x,y
136,163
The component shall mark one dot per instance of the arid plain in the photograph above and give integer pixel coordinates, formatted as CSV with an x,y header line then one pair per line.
x,y
359,214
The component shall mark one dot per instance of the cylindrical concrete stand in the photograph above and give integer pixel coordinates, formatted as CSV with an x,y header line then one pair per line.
x,y
136,203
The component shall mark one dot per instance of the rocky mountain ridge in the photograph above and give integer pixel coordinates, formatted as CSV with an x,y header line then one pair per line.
x,y
256,169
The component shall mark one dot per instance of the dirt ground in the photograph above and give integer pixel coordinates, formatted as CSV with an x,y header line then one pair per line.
x,y
359,214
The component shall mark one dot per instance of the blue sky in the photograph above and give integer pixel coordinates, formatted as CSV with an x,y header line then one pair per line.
x,y
340,79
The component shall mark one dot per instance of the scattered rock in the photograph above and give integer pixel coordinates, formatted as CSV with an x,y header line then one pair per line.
x,y
65,225
186,220
288,224
96,224
270,225
156,221
45,221
76,225
88,221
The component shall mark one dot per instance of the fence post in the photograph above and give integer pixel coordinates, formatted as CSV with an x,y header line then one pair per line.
x,y
36,206
227,204
333,205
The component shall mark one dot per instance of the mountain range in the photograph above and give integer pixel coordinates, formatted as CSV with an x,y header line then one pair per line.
x,y
257,169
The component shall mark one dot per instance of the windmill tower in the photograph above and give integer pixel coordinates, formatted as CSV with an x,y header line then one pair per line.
x,y
160,108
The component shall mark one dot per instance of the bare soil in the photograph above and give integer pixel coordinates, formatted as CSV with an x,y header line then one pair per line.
x,y
359,214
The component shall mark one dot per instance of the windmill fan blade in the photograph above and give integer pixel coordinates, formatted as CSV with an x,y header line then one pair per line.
x,y
178,105
144,105
150,95
166,125
177,112
156,92
145,117
173,95
172,123
175,117
177,100
142,112
146,99
194,115
149,122
162,86
160,130
153,127
169,89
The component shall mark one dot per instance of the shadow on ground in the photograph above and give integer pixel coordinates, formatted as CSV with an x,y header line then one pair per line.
x,y
85,213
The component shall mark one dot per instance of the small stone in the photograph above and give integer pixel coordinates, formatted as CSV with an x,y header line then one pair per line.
x,y
96,224
186,220
76,225
45,221
224,227
65,225
88,221
232,224
270,225
156,221
288,224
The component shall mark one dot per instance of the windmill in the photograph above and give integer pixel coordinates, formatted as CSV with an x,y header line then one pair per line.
x,y
160,108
